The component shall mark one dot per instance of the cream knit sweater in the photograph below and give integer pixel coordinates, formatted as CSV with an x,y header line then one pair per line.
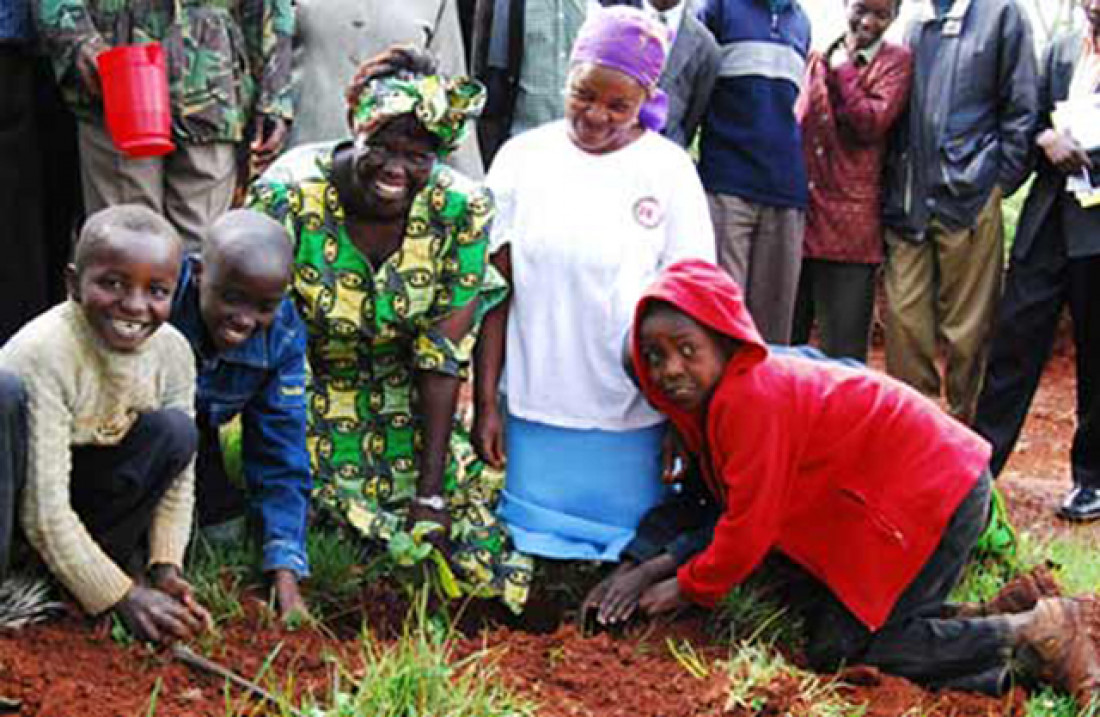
x,y
79,393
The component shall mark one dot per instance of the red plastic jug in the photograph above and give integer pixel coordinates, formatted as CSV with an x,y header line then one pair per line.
x,y
135,99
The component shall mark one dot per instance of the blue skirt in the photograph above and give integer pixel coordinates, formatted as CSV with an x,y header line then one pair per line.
x,y
578,494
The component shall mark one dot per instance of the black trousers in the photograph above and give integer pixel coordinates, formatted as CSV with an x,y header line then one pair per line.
x,y
23,285
1036,290
115,489
915,643
217,498
13,462
840,297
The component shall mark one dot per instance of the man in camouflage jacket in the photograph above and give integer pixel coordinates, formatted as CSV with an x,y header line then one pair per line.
x,y
229,80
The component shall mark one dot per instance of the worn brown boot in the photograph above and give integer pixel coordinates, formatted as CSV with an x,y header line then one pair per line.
x,y
1054,638
1020,595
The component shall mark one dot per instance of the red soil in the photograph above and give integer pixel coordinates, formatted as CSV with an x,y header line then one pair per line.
x,y
71,668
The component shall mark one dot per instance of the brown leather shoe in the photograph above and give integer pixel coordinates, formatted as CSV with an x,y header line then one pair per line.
x,y
1056,637
1019,595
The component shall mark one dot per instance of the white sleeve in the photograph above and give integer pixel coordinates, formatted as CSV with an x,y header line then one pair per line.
x,y
689,232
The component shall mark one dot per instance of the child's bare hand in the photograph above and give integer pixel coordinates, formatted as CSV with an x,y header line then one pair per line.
x,y
154,615
168,579
622,596
665,596
596,595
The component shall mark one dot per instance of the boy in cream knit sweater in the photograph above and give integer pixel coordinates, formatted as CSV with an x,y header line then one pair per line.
x,y
96,403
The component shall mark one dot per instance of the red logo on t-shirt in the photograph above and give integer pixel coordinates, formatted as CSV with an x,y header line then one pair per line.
x,y
647,212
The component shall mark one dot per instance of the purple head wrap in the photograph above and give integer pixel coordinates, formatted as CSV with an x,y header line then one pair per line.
x,y
626,39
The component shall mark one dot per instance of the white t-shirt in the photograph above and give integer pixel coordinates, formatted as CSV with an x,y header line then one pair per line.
x,y
588,234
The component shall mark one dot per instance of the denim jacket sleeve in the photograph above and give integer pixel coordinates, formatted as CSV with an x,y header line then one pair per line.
x,y
276,461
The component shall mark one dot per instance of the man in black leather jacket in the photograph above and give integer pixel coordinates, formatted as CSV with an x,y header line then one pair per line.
x,y
963,147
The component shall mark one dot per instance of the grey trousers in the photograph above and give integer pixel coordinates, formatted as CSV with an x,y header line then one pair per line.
x,y
761,248
191,187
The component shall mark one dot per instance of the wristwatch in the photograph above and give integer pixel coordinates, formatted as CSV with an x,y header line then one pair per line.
x,y
435,502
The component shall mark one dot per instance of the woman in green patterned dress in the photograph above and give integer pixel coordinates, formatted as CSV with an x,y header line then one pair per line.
x,y
392,279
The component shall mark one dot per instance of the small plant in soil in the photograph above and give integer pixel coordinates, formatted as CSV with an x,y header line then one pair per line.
x,y
338,569
418,674
219,575
748,613
755,669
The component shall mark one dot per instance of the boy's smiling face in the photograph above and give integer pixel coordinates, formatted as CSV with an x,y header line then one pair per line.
x,y
125,286
683,358
237,298
868,20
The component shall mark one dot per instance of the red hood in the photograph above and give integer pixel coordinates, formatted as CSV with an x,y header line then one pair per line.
x,y
707,294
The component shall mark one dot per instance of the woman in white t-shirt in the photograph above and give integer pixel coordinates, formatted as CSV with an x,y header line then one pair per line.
x,y
590,209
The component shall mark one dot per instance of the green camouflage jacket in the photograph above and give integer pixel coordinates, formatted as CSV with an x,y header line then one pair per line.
x,y
228,60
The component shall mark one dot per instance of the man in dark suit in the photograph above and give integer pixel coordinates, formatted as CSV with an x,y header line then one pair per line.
x,y
1055,261
691,69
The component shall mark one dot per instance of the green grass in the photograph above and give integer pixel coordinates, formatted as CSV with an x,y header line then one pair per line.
x,y
1049,703
1077,569
754,668
748,614
759,630
337,570
220,574
418,674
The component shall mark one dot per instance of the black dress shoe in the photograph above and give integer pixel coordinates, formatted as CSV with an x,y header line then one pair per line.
x,y
1081,503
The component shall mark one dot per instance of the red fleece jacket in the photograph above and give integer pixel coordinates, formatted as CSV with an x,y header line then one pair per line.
x,y
848,472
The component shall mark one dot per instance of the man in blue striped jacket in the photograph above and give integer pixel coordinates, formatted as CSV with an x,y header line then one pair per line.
x,y
751,153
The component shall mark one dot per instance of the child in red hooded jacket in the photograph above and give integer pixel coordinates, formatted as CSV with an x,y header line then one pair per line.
x,y
873,495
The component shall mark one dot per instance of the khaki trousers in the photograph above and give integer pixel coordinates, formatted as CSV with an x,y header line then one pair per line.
x,y
947,288
191,187
761,248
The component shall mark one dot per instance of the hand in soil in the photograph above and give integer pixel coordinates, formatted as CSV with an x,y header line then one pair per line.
x,y
663,597
288,597
597,596
155,616
622,596
168,579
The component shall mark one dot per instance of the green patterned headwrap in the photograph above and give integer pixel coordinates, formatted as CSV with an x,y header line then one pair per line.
x,y
443,105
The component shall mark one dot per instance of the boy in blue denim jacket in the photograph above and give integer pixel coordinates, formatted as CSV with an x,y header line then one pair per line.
x,y
250,353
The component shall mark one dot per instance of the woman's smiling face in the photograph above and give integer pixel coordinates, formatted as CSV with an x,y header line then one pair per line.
x,y
392,166
601,108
